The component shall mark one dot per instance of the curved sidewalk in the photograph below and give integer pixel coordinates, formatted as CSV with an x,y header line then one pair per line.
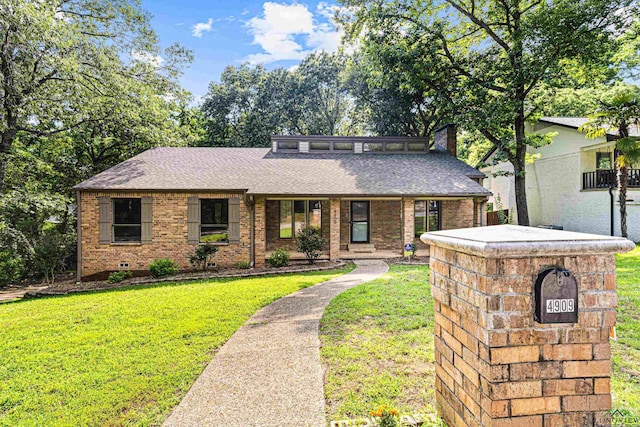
x,y
269,373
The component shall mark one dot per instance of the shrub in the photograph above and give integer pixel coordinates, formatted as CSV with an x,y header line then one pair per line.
x,y
11,268
279,258
119,276
202,255
163,267
49,254
310,243
243,265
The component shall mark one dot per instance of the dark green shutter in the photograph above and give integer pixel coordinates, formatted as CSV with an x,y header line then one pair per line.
x,y
104,220
146,219
193,220
234,220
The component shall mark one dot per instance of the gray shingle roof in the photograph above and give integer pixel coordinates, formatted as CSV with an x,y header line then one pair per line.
x,y
259,171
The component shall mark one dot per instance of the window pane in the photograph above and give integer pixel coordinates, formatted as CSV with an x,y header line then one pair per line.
x,y
214,211
434,215
287,145
212,234
319,146
372,146
343,146
127,233
285,219
359,211
395,146
603,160
420,217
315,213
127,211
300,215
417,146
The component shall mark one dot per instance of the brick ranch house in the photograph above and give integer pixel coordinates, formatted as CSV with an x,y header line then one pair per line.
x,y
369,196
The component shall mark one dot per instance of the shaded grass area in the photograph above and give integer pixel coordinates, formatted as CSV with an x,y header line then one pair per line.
x,y
625,382
122,357
377,346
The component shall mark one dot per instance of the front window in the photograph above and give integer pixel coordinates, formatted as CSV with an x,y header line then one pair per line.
x,y
603,161
426,216
127,220
214,221
297,214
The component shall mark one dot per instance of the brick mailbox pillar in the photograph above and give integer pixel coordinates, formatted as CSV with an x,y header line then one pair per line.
x,y
497,364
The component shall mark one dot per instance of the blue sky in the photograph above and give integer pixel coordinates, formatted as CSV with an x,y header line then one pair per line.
x,y
220,33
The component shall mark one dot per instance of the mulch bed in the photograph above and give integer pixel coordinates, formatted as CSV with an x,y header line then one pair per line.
x,y
71,286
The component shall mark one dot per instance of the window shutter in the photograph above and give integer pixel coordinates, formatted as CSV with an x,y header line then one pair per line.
x,y
193,220
104,220
234,220
146,205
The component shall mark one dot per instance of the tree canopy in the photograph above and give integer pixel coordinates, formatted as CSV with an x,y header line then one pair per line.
x,y
486,58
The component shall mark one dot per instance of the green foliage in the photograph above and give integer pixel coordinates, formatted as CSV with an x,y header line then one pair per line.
x,y
250,104
484,60
311,243
163,267
279,258
125,357
202,256
119,276
50,252
388,417
243,265
11,268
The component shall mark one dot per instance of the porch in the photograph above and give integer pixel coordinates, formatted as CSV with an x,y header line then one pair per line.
x,y
360,228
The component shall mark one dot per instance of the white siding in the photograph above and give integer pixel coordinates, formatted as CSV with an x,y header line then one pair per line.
x,y
554,187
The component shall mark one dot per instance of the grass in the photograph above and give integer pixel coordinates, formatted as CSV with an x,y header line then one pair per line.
x,y
121,357
377,344
625,382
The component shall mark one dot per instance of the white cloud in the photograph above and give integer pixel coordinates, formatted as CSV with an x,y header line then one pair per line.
x,y
148,58
201,27
290,32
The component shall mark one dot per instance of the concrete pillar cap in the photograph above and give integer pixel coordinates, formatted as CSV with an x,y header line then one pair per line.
x,y
517,241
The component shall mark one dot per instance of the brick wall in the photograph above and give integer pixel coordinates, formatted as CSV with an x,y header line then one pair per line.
x,y
457,214
273,226
169,234
496,366
386,225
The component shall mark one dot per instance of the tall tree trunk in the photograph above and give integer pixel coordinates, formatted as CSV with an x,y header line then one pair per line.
x,y
519,173
6,140
622,198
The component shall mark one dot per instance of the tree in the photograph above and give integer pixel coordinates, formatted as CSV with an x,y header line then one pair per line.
x,y
67,64
620,114
490,55
250,104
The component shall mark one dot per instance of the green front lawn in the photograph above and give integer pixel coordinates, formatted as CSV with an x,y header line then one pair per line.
x,y
625,384
121,357
377,344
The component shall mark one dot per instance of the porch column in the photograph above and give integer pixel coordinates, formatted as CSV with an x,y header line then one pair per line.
x,y
408,220
334,232
260,244
476,213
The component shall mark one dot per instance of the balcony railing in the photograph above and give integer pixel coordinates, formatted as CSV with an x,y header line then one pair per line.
x,y
609,177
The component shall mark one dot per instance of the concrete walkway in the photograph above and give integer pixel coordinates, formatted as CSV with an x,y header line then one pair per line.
x,y
14,294
269,372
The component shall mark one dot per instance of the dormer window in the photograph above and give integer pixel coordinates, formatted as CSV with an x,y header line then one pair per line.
x,y
288,145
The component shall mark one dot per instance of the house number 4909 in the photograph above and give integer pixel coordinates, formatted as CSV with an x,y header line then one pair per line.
x,y
560,305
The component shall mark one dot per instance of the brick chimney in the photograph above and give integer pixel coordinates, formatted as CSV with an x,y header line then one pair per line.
x,y
445,139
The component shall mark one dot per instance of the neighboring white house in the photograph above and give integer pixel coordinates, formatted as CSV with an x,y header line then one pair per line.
x,y
568,185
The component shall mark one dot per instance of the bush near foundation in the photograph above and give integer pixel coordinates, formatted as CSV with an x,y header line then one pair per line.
x,y
279,258
163,267
310,243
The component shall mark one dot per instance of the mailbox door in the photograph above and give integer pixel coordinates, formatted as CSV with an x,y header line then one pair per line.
x,y
556,296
